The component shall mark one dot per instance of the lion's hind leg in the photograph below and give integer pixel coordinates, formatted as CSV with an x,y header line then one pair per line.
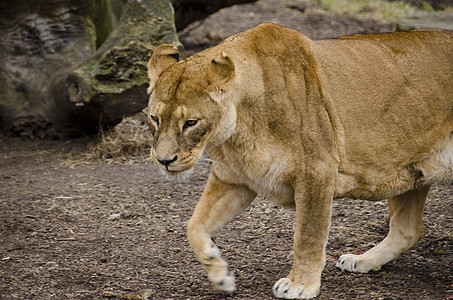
x,y
406,229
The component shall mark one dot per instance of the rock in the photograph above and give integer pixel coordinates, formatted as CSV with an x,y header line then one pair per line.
x,y
188,11
426,20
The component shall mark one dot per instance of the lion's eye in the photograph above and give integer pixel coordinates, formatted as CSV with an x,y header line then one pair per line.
x,y
155,119
189,123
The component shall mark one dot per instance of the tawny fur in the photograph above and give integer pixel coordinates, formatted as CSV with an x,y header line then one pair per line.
x,y
304,122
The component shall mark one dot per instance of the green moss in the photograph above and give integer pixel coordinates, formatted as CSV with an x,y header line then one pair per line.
x,y
386,11
89,37
104,20
427,7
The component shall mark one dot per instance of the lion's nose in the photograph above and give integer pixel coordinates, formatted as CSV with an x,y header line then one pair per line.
x,y
166,162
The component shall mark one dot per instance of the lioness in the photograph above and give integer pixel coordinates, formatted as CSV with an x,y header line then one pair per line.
x,y
304,122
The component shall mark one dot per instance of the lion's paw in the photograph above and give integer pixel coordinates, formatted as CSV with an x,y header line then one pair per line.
x,y
211,253
355,263
286,289
225,284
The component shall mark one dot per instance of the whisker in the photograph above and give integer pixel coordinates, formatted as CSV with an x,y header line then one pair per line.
x,y
212,161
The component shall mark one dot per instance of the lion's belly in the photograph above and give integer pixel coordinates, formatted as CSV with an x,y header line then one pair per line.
x,y
438,166
435,167
377,187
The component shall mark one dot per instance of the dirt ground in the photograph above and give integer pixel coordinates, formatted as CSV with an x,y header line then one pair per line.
x,y
72,229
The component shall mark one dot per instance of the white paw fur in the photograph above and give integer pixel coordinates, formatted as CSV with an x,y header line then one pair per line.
x,y
225,283
355,263
286,289
211,252
217,269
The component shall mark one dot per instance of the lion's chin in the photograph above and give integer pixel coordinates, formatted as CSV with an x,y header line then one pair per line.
x,y
180,175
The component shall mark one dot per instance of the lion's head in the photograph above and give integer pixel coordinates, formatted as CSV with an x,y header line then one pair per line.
x,y
189,107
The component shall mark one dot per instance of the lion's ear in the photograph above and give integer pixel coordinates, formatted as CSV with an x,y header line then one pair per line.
x,y
220,71
163,57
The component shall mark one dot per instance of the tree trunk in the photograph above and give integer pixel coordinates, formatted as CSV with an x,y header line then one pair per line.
x,y
63,71
112,83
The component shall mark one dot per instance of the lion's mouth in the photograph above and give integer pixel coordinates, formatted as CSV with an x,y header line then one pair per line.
x,y
179,168
179,171
175,171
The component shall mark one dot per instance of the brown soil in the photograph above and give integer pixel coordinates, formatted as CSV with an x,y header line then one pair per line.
x,y
92,230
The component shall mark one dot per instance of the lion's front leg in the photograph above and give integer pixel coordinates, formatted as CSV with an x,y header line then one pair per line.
x,y
218,205
313,212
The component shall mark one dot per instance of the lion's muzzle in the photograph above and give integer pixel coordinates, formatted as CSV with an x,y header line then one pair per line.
x,y
167,162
